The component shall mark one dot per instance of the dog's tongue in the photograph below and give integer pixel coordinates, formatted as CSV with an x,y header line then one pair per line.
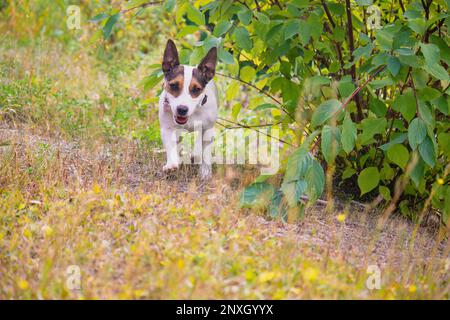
x,y
181,120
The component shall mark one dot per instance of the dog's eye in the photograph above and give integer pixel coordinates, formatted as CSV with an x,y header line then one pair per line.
x,y
195,90
173,86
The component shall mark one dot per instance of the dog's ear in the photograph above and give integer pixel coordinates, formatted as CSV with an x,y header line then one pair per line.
x,y
207,66
170,59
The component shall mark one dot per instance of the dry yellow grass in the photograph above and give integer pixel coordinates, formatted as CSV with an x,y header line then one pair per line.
x,y
136,234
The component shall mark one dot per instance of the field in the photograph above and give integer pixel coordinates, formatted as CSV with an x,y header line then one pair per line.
x,y
82,193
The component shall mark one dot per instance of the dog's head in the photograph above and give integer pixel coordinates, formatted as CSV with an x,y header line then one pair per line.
x,y
185,85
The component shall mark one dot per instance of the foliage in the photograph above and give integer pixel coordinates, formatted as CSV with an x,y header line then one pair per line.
x,y
313,55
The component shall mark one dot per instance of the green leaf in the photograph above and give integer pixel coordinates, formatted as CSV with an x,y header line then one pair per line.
x,y
417,132
368,179
437,71
291,28
348,134
221,28
406,104
232,91
276,208
300,3
315,179
99,17
385,37
266,106
107,28
385,192
418,25
398,139
298,163
348,172
169,5
428,94
256,194
446,213
432,61
225,56
293,191
430,53
378,107
364,2
330,142
442,105
444,143
325,111
425,113
393,65
371,127
387,173
399,155
315,25
380,83
195,15
245,16
363,52
151,81
346,88
243,38
262,18
427,152
187,30
235,110
418,172
247,74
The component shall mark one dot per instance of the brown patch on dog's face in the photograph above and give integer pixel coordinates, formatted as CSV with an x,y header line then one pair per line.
x,y
175,81
198,83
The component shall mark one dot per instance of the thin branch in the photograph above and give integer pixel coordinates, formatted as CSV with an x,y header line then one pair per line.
x,y
257,5
243,125
142,5
260,91
354,93
351,46
327,12
248,127
278,4
415,93
336,45
402,6
357,90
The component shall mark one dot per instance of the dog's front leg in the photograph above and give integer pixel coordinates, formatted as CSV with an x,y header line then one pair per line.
x,y
207,143
169,138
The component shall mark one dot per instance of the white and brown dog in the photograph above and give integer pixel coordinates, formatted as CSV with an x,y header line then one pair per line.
x,y
188,102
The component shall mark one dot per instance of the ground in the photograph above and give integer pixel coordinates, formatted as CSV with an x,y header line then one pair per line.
x,y
135,233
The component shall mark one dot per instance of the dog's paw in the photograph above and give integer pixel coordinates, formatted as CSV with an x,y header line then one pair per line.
x,y
170,167
205,171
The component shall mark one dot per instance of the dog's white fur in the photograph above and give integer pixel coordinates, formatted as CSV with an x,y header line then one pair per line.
x,y
201,118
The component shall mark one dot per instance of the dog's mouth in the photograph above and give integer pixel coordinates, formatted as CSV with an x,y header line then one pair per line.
x,y
181,119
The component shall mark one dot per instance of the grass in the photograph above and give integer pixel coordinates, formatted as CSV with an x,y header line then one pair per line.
x,y
80,185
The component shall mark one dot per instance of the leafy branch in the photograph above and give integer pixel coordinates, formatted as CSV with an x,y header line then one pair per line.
x,y
142,6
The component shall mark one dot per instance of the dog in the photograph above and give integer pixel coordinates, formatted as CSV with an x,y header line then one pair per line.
x,y
188,102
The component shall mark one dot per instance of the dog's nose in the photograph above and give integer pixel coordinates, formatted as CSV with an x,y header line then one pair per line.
x,y
182,110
